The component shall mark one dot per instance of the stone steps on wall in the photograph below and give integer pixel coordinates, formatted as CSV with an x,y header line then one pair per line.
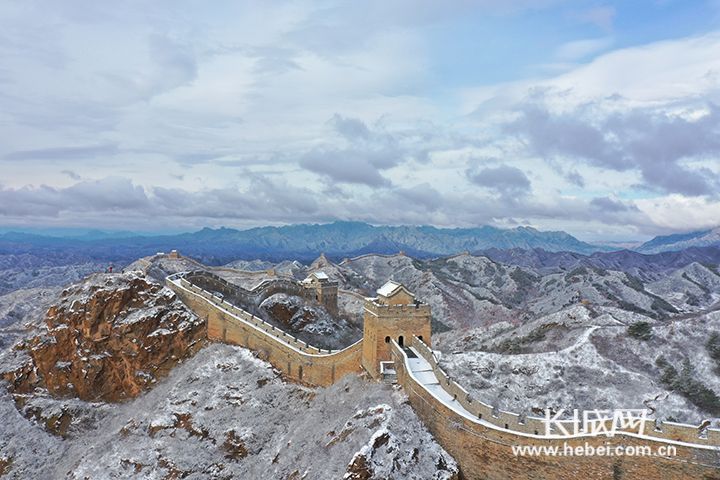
x,y
388,373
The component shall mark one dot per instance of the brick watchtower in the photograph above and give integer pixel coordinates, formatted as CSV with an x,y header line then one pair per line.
x,y
320,288
394,314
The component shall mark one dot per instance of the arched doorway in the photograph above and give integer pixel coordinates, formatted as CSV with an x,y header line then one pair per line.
x,y
387,339
401,341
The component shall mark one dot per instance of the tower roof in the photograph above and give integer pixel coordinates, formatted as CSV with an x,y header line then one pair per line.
x,y
391,288
320,276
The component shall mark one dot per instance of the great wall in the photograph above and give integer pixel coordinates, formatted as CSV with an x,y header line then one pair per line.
x,y
396,348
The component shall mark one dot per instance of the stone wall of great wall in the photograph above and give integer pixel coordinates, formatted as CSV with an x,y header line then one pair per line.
x,y
249,299
296,359
480,438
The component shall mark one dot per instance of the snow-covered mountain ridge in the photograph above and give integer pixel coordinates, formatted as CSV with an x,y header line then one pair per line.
x,y
518,337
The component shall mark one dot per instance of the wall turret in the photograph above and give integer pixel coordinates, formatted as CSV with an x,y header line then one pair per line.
x,y
320,288
394,314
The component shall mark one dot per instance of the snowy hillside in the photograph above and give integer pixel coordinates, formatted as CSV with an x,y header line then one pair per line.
x,y
518,337
681,241
225,414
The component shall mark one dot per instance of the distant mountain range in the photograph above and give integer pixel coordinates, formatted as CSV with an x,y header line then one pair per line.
x,y
337,240
681,241
303,242
643,265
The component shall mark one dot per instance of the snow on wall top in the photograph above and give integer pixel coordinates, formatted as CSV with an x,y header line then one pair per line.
x,y
320,275
390,288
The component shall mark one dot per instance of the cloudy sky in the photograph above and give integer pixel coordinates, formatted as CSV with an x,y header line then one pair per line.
x,y
596,117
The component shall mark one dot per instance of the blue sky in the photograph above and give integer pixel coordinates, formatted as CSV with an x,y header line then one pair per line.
x,y
595,117
482,49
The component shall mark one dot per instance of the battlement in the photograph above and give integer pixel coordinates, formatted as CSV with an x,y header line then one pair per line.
x,y
481,437
230,323
536,426
324,293
380,310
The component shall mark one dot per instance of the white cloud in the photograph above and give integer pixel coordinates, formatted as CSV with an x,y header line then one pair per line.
x,y
330,107
679,213
662,72
684,71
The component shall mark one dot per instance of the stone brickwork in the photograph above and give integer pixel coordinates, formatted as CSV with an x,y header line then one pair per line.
x,y
384,323
323,290
296,359
482,441
325,293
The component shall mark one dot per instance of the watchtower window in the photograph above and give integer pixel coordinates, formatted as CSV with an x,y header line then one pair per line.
x,y
420,338
401,341
387,339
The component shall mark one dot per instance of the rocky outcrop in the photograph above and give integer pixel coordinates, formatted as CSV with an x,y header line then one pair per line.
x,y
109,338
295,315
308,321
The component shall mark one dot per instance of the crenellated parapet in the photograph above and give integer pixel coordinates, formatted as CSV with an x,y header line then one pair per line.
x,y
481,438
324,293
536,426
230,323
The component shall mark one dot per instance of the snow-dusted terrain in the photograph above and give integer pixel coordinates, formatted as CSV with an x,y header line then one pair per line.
x,y
574,360
226,414
309,322
221,414
32,271
519,338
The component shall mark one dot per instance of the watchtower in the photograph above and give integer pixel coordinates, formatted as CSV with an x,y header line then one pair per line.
x,y
320,288
394,314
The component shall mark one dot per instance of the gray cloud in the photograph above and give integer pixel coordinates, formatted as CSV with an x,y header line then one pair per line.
x,y
607,204
351,128
73,175
505,180
422,195
567,134
118,203
346,166
652,142
359,155
575,178
112,194
64,153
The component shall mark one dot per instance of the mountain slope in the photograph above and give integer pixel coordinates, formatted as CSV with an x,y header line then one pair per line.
x,y
647,266
220,413
681,241
226,414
